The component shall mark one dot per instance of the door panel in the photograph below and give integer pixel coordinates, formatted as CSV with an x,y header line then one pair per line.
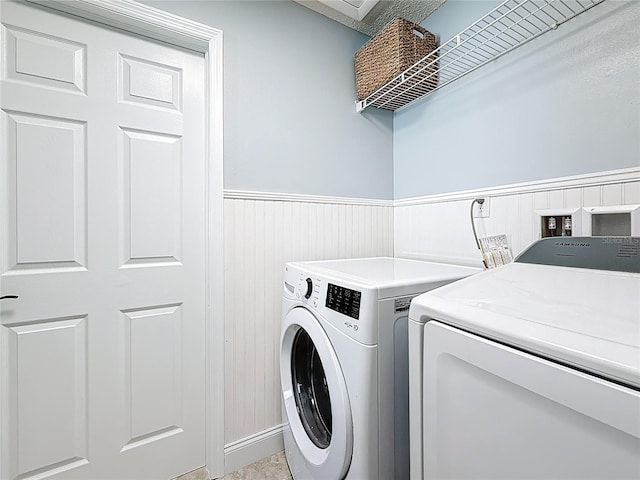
x,y
57,435
148,83
102,237
48,194
45,60
154,396
152,214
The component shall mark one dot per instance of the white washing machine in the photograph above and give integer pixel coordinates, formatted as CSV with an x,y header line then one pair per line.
x,y
532,370
344,364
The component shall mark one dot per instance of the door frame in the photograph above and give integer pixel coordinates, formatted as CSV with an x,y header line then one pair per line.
x,y
140,19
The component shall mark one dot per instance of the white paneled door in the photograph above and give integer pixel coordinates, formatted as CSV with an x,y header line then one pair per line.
x,y
102,214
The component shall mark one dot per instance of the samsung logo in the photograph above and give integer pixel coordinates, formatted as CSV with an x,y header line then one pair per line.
x,y
568,244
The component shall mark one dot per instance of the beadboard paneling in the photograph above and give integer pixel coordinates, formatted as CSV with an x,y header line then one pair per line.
x,y
441,230
260,237
263,232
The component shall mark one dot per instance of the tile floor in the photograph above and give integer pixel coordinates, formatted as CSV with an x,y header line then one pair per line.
x,y
270,468
199,474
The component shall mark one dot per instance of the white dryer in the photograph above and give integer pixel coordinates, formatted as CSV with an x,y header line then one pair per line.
x,y
344,364
532,370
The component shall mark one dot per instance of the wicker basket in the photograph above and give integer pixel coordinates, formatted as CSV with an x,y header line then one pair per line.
x,y
395,48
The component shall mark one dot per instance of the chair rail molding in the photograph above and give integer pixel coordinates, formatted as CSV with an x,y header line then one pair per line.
x,y
304,198
584,180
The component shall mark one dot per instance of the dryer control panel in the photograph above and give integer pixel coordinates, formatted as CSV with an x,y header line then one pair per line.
x,y
616,254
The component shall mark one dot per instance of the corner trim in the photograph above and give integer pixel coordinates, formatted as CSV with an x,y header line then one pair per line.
x,y
586,180
253,448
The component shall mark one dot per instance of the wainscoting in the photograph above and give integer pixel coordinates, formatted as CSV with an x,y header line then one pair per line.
x,y
262,233
438,227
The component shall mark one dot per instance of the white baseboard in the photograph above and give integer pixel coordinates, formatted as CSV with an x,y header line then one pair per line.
x,y
253,448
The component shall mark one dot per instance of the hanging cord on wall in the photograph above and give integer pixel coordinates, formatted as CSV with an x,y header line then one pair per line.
x,y
479,201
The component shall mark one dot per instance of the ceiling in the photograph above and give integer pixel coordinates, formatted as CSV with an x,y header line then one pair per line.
x,y
369,16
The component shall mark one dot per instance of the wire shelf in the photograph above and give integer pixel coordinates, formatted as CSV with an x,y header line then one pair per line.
x,y
506,27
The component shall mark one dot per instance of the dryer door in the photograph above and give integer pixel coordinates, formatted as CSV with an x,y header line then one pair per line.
x,y
492,411
315,396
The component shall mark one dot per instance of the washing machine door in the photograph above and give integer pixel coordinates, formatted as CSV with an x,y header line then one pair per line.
x,y
315,396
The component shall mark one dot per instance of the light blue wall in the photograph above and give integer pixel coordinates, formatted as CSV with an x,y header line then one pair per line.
x,y
290,123
564,104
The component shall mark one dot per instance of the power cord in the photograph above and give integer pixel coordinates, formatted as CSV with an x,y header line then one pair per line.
x,y
479,201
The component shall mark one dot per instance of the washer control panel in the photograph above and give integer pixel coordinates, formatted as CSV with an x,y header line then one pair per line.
x,y
309,288
343,300
349,308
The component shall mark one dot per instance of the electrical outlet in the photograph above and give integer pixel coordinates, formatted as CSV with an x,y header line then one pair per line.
x,y
482,211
